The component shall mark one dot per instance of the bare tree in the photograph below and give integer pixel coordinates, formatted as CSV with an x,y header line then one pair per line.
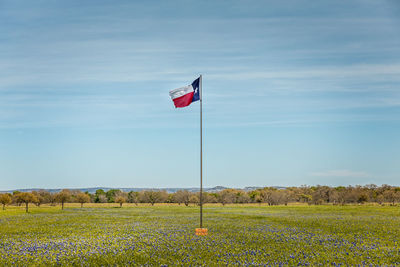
x,y
226,196
133,197
267,196
153,197
183,196
333,196
276,197
320,194
286,196
102,198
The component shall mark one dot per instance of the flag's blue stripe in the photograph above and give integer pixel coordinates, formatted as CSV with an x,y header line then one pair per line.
x,y
196,88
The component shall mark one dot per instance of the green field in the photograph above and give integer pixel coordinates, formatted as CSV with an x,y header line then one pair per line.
x,y
164,235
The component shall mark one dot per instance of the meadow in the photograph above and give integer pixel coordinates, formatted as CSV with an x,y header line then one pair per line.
x,y
163,235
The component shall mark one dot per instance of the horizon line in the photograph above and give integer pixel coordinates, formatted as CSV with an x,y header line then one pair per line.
x,y
189,187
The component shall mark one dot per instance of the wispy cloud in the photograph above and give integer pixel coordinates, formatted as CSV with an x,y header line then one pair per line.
x,y
341,173
351,71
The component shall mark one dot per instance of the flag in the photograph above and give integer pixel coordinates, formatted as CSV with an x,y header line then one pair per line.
x,y
184,96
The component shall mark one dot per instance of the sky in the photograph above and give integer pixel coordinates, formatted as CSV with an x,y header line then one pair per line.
x,y
294,93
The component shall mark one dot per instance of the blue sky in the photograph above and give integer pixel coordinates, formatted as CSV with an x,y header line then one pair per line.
x,y
295,92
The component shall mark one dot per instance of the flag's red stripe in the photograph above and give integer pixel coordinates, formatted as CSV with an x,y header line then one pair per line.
x,y
184,100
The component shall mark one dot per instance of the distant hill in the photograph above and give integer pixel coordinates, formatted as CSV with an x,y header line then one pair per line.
x,y
137,189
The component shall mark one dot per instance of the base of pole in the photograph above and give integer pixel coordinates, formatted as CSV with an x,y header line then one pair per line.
x,y
201,231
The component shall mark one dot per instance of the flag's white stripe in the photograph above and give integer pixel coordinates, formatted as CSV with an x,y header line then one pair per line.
x,y
181,91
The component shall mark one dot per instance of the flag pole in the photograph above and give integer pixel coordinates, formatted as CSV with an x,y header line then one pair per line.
x,y
201,231
201,150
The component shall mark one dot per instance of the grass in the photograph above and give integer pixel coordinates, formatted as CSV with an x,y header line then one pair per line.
x,y
102,234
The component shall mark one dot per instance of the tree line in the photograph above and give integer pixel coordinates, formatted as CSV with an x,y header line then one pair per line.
x,y
312,195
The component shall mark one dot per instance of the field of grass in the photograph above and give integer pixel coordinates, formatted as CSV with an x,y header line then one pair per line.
x,y
164,235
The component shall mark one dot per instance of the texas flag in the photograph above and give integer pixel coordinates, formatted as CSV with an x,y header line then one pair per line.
x,y
183,96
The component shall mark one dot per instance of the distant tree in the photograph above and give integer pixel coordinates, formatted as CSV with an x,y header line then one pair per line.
x,y
5,199
46,197
98,196
133,197
380,199
209,198
233,196
183,196
363,197
352,195
100,192
74,193
194,199
148,197
163,196
333,196
276,197
111,194
120,199
15,199
92,197
170,198
320,194
82,198
226,196
153,197
390,195
63,196
26,198
267,195
102,199
254,196
242,197
340,194
397,194
287,195
306,198
53,200
39,198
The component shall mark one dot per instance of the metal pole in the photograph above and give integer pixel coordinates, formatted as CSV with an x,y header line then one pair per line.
x,y
201,151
